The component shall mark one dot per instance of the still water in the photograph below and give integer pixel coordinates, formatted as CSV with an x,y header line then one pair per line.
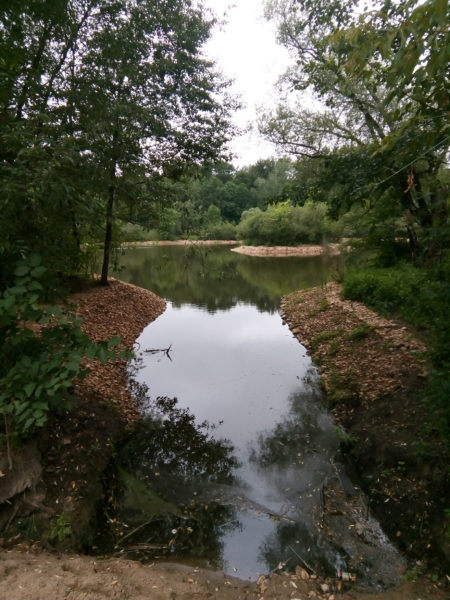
x,y
234,364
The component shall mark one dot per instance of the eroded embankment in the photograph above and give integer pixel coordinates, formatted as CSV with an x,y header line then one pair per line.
x,y
372,369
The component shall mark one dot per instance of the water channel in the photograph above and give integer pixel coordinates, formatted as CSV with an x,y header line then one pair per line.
x,y
232,363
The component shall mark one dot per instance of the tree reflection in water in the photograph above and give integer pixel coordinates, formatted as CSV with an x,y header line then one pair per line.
x,y
296,457
163,467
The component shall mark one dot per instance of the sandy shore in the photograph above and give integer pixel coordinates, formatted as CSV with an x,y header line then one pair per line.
x,y
279,251
275,251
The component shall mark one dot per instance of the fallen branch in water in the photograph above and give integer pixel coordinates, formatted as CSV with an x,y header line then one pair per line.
x,y
166,351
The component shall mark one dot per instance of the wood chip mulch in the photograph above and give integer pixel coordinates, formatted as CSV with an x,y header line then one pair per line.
x,y
371,355
119,309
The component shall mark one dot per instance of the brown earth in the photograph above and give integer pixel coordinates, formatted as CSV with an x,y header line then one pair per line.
x,y
31,575
372,369
73,453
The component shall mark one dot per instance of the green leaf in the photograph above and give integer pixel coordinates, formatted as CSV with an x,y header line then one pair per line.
x,y
38,272
21,270
29,388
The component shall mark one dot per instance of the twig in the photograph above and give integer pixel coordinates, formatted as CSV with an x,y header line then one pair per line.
x,y
133,531
166,351
303,560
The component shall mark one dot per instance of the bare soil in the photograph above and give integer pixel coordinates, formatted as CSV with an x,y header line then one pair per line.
x,y
38,575
67,461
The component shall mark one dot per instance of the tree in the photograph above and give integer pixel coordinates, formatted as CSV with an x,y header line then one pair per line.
x,y
41,184
98,98
350,60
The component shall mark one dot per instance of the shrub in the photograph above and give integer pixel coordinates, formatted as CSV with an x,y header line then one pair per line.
x,y
284,224
133,232
41,351
219,231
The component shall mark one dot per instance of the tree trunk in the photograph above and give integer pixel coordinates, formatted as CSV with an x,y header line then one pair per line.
x,y
108,234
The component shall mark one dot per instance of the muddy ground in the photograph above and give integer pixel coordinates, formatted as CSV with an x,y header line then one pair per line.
x,y
53,512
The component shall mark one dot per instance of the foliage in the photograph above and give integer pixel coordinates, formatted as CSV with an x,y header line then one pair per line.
x,y
99,100
382,129
134,232
42,349
284,224
60,528
422,297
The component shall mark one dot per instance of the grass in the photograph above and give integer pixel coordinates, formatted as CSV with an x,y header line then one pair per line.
x,y
325,336
323,306
360,332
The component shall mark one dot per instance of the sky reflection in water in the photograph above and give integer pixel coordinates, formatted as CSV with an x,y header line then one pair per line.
x,y
243,369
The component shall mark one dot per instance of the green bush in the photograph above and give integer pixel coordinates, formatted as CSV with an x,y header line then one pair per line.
x,y
41,351
284,224
219,231
133,232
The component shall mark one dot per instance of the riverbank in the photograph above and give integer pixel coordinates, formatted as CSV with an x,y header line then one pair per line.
x,y
372,369
150,243
258,251
62,489
280,251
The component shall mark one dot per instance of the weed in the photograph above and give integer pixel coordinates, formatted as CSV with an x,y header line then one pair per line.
x,y
340,386
323,306
347,440
360,332
325,336
334,348
60,528
413,574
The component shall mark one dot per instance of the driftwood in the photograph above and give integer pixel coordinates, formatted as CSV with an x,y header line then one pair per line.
x,y
165,351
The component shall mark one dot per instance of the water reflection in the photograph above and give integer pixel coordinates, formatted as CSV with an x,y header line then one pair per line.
x,y
156,506
235,365
215,278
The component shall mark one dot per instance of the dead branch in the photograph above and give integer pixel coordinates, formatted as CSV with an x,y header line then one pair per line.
x,y
165,351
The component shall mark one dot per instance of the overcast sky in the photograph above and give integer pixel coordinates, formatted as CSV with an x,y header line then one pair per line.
x,y
246,51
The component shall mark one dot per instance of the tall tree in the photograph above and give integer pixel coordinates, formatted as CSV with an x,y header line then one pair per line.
x,y
350,60
97,98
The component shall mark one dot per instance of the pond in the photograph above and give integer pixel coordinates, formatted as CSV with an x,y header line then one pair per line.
x,y
241,463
